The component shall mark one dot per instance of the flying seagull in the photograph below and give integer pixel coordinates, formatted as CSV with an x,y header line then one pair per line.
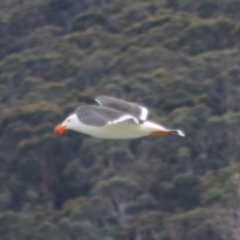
x,y
113,119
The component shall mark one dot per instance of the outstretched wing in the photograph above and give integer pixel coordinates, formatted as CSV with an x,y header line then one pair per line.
x,y
137,111
100,116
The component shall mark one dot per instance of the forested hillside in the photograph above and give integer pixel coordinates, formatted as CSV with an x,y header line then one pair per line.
x,y
181,58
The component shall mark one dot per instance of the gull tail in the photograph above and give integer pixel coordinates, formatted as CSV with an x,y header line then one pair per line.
x,y
167,132
178,132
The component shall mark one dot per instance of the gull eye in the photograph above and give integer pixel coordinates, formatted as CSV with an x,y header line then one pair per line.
x,y
69,120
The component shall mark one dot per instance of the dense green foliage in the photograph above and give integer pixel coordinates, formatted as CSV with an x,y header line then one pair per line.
x,y
178,57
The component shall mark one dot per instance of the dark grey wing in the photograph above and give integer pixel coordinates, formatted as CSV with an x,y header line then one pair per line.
x,y
100,116
139,112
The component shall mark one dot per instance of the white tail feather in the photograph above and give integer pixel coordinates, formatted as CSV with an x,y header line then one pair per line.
x,y
178,132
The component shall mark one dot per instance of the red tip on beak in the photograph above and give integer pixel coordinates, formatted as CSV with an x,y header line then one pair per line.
x,y
59,129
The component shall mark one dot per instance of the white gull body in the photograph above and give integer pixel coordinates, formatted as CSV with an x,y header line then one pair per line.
x,y
122,130
113,119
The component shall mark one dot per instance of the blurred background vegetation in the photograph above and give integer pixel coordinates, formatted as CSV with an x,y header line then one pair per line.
x,y
178,57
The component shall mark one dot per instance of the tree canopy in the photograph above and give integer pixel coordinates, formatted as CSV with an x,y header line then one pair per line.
x,y
179,58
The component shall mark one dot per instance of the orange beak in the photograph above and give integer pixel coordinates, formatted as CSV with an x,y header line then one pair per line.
x,y
59,129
